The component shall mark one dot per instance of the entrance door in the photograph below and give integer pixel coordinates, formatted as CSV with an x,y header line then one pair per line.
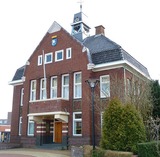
x,y
58,132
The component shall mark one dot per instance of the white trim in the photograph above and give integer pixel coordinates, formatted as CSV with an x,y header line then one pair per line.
x,y
116,64
43,91
77,84
102,93
22,97
33,90
58,98
30,121
67,52
48,113
40,60
65,86
76,120
20,126
53,87
45,58
16,82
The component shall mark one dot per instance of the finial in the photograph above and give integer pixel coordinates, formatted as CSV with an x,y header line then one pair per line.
x,y
80,1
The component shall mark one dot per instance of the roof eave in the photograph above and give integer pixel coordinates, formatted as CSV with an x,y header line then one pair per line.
x,y
17,82
116,64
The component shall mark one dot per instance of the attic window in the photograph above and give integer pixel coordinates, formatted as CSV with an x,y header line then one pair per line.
x,y
59,55
48,58
68,53
40,60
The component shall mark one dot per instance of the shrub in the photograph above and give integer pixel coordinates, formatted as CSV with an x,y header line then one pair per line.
x,y
149,149
122,128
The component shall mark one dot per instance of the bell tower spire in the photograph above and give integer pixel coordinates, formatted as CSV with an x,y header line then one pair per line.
x,y
80,29
80,5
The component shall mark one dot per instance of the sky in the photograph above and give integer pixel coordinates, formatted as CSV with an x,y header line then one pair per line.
x,y
133,24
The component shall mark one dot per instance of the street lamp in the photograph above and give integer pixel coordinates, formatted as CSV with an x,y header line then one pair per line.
x,y
92,83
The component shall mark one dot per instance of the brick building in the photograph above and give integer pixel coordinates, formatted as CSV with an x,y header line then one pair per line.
x,y
51,101
5,128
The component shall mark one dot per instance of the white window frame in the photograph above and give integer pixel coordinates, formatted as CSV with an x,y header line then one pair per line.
x,y
40,60
20,126
46,55
22,96
69,53
65,87
56,55
43,90
105,94
77,85
76,120
33,91
53,88
28,132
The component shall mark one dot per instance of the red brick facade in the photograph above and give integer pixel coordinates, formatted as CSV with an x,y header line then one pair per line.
x,y
46,114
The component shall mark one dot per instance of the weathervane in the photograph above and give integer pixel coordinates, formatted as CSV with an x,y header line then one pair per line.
x,y
80,1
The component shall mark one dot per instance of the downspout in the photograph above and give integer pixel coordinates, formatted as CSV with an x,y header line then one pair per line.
x,y
125,84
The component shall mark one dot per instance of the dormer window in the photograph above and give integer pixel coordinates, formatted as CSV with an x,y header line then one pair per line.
x,y
59,55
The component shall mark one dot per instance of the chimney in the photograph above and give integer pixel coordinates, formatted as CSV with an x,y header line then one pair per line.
x,y
100,30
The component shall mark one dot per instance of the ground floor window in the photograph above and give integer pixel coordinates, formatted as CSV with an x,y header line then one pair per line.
x,y
30,128
20,126
77,123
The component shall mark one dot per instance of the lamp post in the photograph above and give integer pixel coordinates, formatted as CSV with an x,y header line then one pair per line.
x,y
92,83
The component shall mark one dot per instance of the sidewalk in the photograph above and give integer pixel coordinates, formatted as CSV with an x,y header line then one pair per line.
x,y
24,152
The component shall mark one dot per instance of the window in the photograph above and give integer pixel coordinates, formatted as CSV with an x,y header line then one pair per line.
x,y
33,90
20,125
77,123
40,60
30,128
102,119
77,85
68,53
43,93
48,58
105,86
65,86
22,94
59,55
129,87
54,87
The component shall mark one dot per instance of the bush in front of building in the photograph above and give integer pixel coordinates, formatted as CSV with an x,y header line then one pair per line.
x,y
149,149
123,127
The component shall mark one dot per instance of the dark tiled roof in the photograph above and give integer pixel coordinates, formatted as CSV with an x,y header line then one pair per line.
x,y
99,43
103,50
19,74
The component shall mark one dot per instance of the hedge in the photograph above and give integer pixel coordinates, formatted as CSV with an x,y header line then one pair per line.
x,y
149,149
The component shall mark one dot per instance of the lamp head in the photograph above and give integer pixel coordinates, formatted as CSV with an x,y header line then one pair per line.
x,y
92,82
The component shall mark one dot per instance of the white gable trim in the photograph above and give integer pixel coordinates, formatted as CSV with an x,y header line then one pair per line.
x,y
55,27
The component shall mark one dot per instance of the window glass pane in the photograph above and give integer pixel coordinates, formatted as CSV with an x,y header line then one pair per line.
x,y
78,116
78,78
54,82
78,128
59,55
105,86
78,91
65,92
31,128
66,80
48,59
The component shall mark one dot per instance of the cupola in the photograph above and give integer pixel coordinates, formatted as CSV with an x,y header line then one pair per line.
x,y
80,30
